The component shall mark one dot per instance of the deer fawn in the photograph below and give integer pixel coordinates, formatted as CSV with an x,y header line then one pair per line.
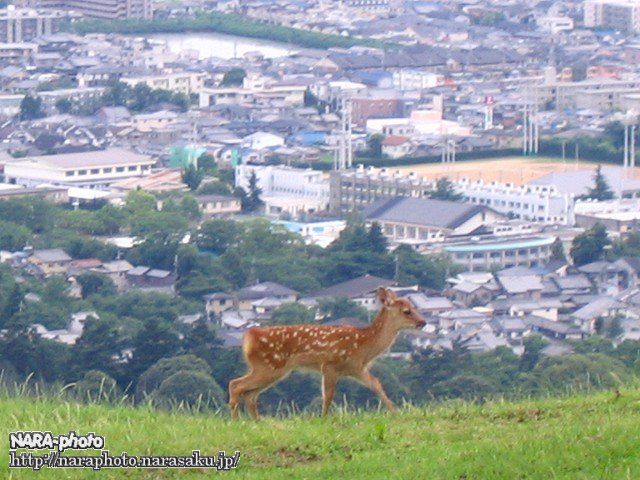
x,y
273,352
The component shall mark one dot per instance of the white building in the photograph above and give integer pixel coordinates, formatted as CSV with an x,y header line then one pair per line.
x,y
555,24
262,140
316,233
94,169
540,203
286,189
181,82
405,80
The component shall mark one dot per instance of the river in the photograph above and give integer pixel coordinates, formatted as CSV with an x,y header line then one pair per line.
x,y
222,46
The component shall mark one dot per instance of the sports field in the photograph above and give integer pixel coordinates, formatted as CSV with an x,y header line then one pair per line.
x,y
517,170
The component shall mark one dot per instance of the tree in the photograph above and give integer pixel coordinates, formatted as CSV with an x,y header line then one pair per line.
x,y
117,95
64,105
429,271
93,283
154,341
445,190
374,145
341,307
533,346
310,100
252,201
557,250
13,236
292,314
218,234
191,389
98,348
153,377
192,177
601,189
377,240
31,108
97,386
589,246
214,187
233,77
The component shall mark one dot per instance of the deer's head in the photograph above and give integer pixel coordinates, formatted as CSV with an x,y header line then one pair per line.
x,y
400,313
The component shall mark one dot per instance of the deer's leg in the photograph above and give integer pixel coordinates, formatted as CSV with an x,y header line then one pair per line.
x,y
235,394
371,382
329,380
249,387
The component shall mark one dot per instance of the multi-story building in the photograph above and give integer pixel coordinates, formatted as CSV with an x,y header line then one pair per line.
x,y
106,9
287,190
181,82
504,252
94,169
541,203
354,189
618,14
19,25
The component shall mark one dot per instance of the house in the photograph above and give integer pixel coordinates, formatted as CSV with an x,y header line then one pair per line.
x,y
554,330
116,271
572,284
471,294
216,303
396,146
606,276
146,278
71,333
521,282
513,329
52,261
245,297
361,290
602,307
429,306
631,268
262,140
484,341
219,205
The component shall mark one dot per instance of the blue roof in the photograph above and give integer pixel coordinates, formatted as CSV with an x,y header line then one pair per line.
x,y
310,138
501,245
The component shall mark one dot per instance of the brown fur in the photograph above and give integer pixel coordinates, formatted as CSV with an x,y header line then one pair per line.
x,y
273,352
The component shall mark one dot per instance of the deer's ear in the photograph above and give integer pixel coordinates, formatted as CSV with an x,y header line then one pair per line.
x,y
385,296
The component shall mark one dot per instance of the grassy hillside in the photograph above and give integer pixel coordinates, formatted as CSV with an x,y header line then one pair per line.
x,y
580,437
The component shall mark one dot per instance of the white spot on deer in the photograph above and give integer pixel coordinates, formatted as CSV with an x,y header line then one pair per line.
x,y
263,339
295,334
271,345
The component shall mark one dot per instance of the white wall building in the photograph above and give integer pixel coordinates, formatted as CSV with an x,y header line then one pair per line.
x,y
540,203
287,189
405,80
95,169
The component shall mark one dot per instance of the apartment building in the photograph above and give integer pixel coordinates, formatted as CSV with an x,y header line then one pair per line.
x,y
541,203
179,82
104,9
18,25
616,14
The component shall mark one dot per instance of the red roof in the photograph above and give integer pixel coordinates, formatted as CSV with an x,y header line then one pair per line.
x,y
394,140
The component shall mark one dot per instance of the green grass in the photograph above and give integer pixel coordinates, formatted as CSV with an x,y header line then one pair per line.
x,y
579,437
